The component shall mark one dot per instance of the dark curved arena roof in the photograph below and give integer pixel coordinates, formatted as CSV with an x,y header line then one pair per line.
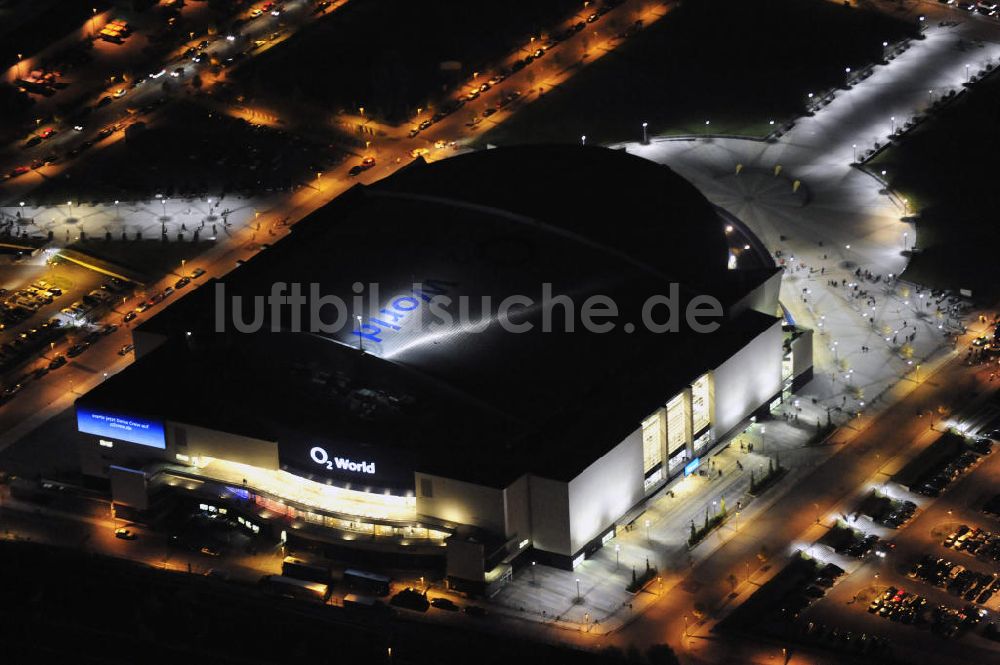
x,y
480,405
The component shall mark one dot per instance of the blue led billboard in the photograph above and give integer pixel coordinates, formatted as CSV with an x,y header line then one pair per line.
x,y
122,428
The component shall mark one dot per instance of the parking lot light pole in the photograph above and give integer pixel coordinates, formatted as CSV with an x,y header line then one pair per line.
x,y
967,73
583,140
578,588
854,146
618,555
645,133
892,125
70,204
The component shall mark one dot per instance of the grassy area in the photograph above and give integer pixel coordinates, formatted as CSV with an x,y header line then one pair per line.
x,y
941,167
153,258
191,152
737,63
390,63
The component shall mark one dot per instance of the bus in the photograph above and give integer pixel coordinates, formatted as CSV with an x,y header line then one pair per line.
x,y
290,587
302,569
366,582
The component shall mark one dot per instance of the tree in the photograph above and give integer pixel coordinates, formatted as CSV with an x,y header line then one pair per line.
x,y
693,532
661,654
770,467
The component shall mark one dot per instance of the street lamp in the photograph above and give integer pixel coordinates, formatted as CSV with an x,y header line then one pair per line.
x,y
645,133
892,125
578,588
847,76
707,123
647,531
583,140
618,557
532,573
117,210
361,340
93,25
855,147
967,73
70,204
20,74
905,234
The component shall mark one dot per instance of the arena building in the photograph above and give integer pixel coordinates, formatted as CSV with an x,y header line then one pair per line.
x,y
462,446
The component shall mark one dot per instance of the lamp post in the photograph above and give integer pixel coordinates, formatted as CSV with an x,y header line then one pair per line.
x,y
22,209
905,235
854,146
966,73
847,76
707,123
647,531
930,97
618,555
117,210
645,133
892,125
93,22
70,204
583,139
20,74
533,581
578,588
685,625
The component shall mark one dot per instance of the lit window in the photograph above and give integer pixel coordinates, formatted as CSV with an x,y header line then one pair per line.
x,y
577,561
523,544
106,444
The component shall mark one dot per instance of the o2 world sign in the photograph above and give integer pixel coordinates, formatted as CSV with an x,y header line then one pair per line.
x,y
321,457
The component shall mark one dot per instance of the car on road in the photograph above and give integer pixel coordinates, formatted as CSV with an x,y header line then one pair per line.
x,y
182,282
48,132
444,604
129,316
18,171
125,534
419,152
57,362
425,124
104,101
168,291
77,349
196,273
126,349
32,142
